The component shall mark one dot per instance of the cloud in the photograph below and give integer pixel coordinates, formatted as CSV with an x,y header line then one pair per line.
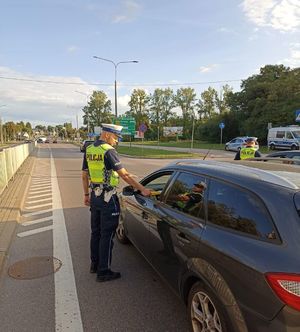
x,y
294,59
129,11
206,69
282,15
72,49
45,103
41,102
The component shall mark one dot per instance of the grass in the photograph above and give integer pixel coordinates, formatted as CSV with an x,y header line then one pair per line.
x,y
196,145
154,153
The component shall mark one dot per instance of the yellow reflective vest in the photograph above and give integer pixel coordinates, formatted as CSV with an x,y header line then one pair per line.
x,y
247,153
95,160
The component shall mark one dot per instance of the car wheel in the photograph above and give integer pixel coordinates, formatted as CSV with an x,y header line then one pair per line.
x,y
205,310
120,232
293,147
272,147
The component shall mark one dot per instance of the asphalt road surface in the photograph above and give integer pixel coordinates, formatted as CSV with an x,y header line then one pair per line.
x,y
55,223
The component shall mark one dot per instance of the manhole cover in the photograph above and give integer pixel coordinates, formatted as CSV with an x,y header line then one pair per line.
x,y
34,267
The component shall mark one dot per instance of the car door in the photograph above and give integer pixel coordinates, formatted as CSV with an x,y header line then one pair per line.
x,y
175,227
140,210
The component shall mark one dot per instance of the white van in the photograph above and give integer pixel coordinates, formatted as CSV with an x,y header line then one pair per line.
x,y
284,138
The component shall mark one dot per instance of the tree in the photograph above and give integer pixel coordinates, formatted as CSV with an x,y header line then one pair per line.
x,y
161,103
185,98
98,110
139,106
10,130
271,96
222,101
206,105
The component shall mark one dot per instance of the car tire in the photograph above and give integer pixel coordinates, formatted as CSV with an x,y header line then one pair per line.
x,y
293,147
272,147
205,310
120,232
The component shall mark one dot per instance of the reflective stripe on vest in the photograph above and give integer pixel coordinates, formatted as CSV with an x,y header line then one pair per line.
x,y
96,165
247,153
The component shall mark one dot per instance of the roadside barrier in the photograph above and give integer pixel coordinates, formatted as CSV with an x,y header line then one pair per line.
x,y
10,161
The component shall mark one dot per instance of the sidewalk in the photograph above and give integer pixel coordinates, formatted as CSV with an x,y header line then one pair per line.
x,y
11,202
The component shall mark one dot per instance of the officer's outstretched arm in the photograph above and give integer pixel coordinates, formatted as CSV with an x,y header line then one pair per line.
x,y
129,178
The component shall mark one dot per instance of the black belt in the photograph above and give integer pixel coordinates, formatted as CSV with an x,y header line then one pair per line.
x,y
102,186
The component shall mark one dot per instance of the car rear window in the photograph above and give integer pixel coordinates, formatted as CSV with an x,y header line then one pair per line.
x,y
239,210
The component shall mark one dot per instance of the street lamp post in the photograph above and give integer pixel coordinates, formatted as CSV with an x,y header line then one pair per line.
x,y
116,66
88,96
193,130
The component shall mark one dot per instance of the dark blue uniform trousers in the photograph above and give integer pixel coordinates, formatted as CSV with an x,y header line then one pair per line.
x,y
104,222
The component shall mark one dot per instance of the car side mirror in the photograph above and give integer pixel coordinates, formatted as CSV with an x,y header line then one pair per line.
x,y
128,191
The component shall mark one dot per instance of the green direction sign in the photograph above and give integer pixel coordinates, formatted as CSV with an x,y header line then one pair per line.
x,y
128,124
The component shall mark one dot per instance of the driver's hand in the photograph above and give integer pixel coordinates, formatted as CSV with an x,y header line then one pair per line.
x,y
146,192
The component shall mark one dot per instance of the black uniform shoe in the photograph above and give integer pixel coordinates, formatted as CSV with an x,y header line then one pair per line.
x,y
108,275
93,268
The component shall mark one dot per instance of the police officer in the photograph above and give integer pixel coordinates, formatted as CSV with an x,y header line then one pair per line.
x,y
101,170
249,151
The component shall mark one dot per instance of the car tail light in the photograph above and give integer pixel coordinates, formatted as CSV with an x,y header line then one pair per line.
x,y
287,288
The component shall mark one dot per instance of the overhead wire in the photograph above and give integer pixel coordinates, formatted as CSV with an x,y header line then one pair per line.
x,y
122,85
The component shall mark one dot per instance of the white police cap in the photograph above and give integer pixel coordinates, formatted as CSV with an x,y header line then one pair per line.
x,y
112,128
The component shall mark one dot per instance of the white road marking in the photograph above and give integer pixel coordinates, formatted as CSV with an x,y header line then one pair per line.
x,y
40,195
34,190
35,231
32,201
37,221
67,311
38,206
41,181
36,213
40,184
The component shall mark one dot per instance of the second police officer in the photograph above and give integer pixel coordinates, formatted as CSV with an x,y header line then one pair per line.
x,y
249,151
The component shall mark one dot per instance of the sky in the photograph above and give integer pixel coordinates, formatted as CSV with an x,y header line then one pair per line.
x,y
47,69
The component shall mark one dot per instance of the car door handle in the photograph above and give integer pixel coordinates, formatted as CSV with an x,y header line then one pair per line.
x,y
182,238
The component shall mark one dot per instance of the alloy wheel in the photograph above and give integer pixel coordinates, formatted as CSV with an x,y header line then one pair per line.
x,y
204,315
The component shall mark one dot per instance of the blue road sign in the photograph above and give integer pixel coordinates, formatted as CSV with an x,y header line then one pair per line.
x,y
221,125
297,113
143,128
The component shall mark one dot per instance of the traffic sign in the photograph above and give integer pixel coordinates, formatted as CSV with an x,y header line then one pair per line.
x,y
128,124
143,128
221,125
297,115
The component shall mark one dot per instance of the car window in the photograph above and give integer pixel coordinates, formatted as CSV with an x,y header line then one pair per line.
x,y
280,134
187,194
157,183
289,135
239,210
233,140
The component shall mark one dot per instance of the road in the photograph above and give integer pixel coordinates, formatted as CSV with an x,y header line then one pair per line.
x,y
55,223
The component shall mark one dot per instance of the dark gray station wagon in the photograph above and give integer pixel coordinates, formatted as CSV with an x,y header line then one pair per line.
x,y
226,237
